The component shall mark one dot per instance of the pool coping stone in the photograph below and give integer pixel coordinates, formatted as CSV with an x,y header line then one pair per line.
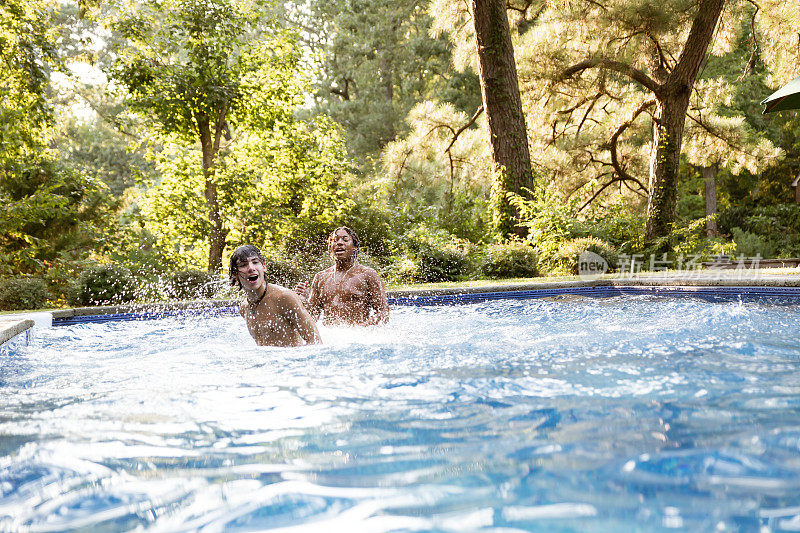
x,y
10,328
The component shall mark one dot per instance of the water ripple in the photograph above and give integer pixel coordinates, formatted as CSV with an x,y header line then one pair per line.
x,y
582,414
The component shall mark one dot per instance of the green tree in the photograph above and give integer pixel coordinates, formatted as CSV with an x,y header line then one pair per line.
x,y
607,88
637,58
94,131
48,212
441,171
282,189
203,70
375,60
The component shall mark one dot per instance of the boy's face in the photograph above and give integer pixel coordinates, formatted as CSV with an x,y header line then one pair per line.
x,y
342,245
250,272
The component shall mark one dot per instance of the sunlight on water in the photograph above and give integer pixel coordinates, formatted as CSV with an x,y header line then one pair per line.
x,y
574,414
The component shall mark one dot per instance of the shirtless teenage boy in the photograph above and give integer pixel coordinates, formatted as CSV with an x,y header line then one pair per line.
x,y
347,293
275,316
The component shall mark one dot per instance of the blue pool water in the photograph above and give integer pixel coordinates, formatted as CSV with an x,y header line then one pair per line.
x,y
570,414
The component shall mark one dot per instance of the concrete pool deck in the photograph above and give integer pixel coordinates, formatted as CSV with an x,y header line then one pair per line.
x,y
15,324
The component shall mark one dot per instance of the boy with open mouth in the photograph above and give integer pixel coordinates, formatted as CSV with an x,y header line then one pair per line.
x,y
348,293
275,315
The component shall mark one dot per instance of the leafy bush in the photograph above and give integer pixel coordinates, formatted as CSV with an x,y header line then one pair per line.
x,y
776,226
429,265
510,260
442,264
760,220
405,269
618,225
550,221
192,284
692,240
104,285
25,292
281,272
429,255
565,261
751,245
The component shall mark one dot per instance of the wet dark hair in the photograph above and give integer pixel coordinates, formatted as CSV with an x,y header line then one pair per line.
x,y
350,232
242,253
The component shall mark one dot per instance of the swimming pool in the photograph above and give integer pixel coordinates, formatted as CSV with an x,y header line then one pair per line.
x,y
571,413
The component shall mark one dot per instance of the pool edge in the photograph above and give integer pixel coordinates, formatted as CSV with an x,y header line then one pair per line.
x,y
709,288
11,328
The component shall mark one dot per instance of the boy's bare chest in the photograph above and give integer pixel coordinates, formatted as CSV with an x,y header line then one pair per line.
x,y
352,288
265,322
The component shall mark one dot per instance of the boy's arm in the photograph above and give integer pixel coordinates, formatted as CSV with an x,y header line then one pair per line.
x,y
378,299
296,313
314,303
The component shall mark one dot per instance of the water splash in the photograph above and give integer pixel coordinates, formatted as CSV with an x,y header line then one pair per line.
x,y
541,414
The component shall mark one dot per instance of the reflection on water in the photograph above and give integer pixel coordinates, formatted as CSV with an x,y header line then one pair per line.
x,y
516,415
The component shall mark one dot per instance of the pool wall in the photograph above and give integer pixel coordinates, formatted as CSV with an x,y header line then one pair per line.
x,y
10,329
772,288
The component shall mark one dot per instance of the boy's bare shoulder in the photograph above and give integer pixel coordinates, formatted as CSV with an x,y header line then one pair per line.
x,y
284,296
369,271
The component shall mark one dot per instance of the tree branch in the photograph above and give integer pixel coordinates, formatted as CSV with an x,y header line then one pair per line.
x,y
464,127
621,172
751,61
617,179
717,134
523,9
615,66
696,45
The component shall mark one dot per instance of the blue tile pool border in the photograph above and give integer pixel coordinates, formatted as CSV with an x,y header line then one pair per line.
x,y
790,294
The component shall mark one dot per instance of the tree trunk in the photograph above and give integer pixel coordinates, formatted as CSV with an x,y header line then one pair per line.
x,y
386,77
664,165
672,102
710,193
501,99
216,237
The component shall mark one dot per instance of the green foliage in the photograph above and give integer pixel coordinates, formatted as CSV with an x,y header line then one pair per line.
x,y
104,285
186,62
688,240
297,183
429,255
376,225
211,71
779,218
772,230
192,284
28,53
376,60
618,225
751,245
501,206
549,219
96,149
62,276
565,260
283,189
282,272
436,177
47,210
23,292
513,259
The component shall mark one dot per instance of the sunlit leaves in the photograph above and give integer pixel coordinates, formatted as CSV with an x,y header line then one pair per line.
x,y
778,28
190,58
279,188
